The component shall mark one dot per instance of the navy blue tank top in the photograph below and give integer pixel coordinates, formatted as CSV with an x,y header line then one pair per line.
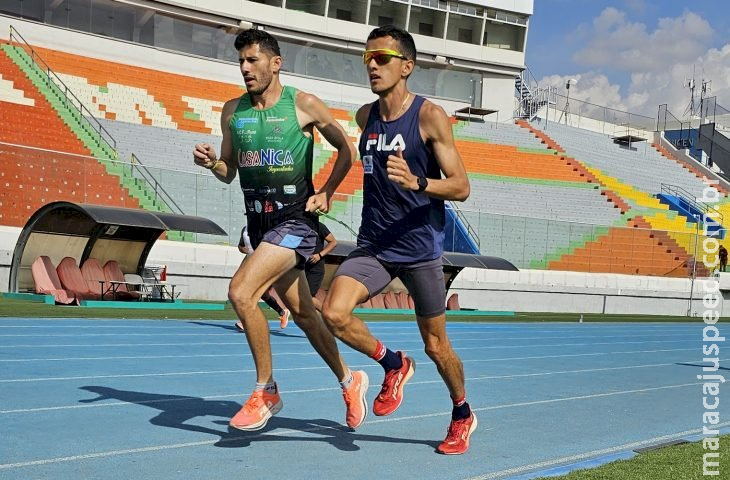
x,y
399,225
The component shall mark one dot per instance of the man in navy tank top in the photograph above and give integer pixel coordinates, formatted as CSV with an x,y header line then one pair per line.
x,y
411,166
268,135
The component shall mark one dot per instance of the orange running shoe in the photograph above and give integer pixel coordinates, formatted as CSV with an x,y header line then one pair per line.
x,y
391,394
284,319
357,405
257,410
457,438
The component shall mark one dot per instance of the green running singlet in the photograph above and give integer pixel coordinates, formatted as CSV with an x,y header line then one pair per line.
x,y
274,159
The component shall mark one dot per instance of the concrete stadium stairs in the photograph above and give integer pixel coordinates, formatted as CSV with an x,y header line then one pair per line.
x,y
95,146
634,251
33,177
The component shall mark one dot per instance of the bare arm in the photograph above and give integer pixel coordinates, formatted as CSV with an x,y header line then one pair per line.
x,y
361,117
436,131
436,128
312,111
331,244
224,167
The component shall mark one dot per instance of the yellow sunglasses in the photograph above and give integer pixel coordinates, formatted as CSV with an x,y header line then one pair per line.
x,y
381,56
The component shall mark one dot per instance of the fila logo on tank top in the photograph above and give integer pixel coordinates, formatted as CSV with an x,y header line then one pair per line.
x,y
398,225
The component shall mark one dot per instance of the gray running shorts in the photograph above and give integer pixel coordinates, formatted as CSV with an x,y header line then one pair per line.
x,y
424,280
294,235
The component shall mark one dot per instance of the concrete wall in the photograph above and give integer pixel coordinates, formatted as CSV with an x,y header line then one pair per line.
x,y
203,271
8,238
556,291
687,158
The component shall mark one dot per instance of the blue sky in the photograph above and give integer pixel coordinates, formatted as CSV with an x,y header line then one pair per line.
x,y
632,54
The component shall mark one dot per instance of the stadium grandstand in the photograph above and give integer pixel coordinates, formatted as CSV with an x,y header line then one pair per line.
x,y
103,100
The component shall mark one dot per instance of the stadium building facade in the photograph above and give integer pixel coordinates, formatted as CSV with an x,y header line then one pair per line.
x,y
469,52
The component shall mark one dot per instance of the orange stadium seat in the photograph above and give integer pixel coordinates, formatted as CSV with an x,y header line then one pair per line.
x,y
47,281
168,89
113,273
93,273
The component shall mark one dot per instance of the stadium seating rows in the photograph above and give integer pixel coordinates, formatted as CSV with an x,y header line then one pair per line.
x,y
556,198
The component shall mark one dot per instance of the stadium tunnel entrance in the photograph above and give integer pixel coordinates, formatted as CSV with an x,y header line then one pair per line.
x,y
81,231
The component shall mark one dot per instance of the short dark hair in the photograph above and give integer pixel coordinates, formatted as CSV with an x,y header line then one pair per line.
x,y
405,42
266,42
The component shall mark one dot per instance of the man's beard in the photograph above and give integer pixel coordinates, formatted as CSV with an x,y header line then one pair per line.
x,y
263,84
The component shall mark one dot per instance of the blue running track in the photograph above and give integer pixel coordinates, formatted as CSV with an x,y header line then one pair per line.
x,y
139,399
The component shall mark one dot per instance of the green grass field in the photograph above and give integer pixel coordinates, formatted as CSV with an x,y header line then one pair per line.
x,y
11,307
679,462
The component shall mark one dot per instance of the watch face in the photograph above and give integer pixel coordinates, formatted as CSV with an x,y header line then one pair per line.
x,y
422,183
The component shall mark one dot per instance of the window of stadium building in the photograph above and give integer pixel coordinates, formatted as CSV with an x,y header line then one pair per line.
x,y
273,3
464,28
384,12
498,35
145,26
437,4
348,10
347,67
30,9
194,38
427,21
507,17
447,83
315,7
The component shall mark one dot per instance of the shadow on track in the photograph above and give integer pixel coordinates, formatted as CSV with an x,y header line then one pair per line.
x,y
176,411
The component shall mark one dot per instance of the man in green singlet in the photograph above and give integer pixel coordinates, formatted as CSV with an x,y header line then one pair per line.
x,y
268,141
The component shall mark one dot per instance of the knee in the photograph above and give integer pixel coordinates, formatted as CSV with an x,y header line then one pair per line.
x,y
242,300
438,350
335,318
304,318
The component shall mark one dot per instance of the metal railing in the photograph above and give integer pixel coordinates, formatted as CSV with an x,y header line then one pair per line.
x,y
713,112
473,234
136,165
704,208
531,98
71,99
666,121
579,113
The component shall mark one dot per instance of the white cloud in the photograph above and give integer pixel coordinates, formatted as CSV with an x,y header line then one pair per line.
x,y
623,45
591,87
656,64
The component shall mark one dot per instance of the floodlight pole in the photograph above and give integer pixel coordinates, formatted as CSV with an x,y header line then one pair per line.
x,y
566,109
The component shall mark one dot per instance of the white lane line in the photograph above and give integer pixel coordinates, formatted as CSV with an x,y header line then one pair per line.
x,y
421,382
156,448
208,372
347,352
418,341
402,325
592,454
471,337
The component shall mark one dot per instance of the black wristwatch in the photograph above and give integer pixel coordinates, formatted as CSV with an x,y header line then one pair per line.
x,y
422,184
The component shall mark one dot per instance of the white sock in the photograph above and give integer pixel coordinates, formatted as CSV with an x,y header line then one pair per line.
x,y
268,387
348,380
